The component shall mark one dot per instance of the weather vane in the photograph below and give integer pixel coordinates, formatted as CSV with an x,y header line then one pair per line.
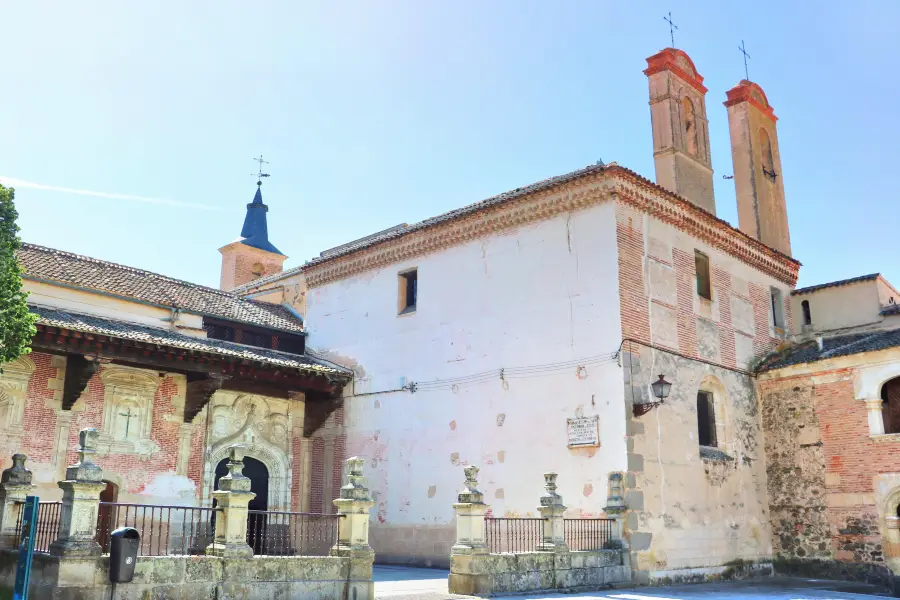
x,y
746,56
260,174
672,27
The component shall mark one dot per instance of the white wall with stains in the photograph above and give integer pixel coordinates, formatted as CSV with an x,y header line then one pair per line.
x,y
536,296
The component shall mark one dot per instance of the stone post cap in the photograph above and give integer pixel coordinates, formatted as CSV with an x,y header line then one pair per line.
x,y
550,497
893,522
471,495
235,480
85,469
355,488
16,474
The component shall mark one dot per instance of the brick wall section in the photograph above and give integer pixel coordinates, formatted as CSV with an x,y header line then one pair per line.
x,y
297,463
721,282
317,476
762,300
39,418
686,283
633,302
821,463
198,450
136,471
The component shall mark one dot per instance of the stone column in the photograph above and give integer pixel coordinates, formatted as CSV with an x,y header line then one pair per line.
x,y
615,505
552,510
876,419
353,505
233,496
15,484
80,502
470,509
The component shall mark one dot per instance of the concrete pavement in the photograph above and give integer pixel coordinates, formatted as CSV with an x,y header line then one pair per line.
x,y
402,583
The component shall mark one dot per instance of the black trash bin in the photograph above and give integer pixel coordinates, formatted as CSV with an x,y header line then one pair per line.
x,y
124,543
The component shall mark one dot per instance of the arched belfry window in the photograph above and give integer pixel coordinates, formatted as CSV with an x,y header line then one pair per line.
x,y
689,121
768,159
706,419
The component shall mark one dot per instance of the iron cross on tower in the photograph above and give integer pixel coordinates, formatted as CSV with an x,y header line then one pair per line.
x,y
260,174
672,27
746,56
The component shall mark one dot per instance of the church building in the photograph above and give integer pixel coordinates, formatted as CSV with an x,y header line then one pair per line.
x,y
521,334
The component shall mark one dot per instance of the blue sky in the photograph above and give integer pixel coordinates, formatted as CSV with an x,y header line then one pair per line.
x,y
379,113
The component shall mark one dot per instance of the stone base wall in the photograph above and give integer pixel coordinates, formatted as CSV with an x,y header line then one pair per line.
x,y
536,571
735,570
414,545
873,574
196,577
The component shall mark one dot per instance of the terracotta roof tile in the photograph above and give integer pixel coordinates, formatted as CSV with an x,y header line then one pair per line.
x,y
56,266
142,333
832,347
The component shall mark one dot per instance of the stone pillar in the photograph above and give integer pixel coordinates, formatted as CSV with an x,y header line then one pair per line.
x,y
80,502
552,510
876,419
470,509
15,484
353,505
233,496
615,505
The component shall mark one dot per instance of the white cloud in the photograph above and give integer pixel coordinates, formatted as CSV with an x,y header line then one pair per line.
x,y
21,183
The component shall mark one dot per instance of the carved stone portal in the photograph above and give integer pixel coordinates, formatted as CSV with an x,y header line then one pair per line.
x,y
128,410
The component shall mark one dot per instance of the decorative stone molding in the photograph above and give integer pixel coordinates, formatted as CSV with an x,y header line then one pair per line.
x,y
233,497
876,419
13,395
128,410
590,189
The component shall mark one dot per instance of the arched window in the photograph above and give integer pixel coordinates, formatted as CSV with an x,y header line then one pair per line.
x,y
768,159
807,315
890,405
706,419
689,120
258,269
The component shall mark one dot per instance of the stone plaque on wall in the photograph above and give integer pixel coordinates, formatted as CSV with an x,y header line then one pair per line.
x,y
583,431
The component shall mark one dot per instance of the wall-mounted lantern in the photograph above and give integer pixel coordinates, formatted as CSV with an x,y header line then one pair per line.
x,y
661,389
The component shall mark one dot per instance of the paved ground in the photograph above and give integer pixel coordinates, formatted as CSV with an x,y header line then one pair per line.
x,y
399,583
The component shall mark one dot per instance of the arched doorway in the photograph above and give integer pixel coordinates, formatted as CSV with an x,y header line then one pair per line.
x,y
258,529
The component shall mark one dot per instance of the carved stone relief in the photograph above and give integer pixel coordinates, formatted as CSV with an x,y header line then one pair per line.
x,y
13,394
128,410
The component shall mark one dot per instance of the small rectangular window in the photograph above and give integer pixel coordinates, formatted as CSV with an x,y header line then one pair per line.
x,y
777,309
408,291
706,420
704,285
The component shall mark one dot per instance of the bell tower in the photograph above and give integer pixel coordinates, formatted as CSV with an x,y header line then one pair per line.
x,y
758,184
680,128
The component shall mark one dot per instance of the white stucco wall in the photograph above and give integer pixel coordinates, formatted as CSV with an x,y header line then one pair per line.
x,y
542,294
841,306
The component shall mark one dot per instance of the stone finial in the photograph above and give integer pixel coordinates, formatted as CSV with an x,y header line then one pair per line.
x,y
85,469
550,498
235,480
16,474
355,488
471,495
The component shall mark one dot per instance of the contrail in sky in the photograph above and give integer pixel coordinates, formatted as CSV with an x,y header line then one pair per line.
x,y
21,183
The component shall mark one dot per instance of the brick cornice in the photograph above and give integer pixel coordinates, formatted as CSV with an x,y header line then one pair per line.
x,y
747,91
585,191
674,210
566,197
668,60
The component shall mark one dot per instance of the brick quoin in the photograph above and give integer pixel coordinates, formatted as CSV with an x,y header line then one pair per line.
x,y
761,299
721,281
297,472
197,450
337,475
685,280
317,476
634,309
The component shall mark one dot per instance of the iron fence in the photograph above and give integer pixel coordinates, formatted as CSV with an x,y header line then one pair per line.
x,y
502,534
165,530
47,524
588,534
276,533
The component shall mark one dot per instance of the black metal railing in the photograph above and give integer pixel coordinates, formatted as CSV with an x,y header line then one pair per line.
x,y
502,534
588,534
47,526
165,530
276,533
